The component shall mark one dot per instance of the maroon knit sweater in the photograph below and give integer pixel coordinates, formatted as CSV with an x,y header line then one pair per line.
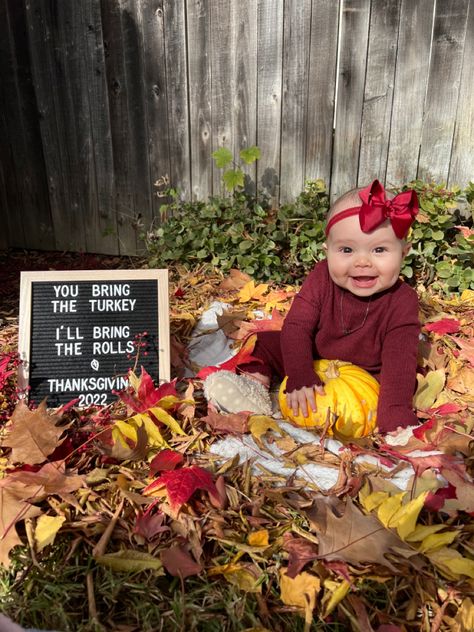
x,y
383,340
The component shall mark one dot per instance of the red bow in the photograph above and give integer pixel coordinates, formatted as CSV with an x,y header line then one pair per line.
x,y
376,208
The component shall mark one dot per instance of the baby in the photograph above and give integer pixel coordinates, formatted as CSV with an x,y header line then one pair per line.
x,y
352,307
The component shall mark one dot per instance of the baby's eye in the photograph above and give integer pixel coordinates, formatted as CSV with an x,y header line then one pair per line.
x,y
345,249
380,249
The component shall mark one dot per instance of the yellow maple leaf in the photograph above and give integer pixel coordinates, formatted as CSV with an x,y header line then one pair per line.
x,y
46,530
465,615
167,420
251,292
422,531
429,388
301,591
373,500
334,593
128,428
393,512
404,520
437,541
451,563
388,508
258,538
244,576
260,424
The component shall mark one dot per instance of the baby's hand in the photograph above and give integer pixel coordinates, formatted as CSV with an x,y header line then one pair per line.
x,y
300,398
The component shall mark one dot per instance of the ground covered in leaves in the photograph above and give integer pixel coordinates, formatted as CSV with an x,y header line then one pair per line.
x,y
124,518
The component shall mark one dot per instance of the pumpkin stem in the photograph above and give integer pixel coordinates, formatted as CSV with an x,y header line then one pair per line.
x,y
332,371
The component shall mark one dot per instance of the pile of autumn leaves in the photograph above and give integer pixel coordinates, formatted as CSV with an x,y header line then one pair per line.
x,y
145,462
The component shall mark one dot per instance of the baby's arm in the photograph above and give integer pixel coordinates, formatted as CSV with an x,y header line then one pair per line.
x,y
399,361
297,342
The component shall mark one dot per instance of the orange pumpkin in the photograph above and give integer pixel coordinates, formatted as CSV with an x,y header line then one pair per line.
x,y
349,406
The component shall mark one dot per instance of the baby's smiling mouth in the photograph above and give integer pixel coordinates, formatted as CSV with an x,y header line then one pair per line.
x,y
364,281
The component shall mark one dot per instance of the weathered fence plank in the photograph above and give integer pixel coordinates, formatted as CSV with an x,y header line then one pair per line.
x,y
149,17
351,79
321,89
245,70
297,21
222,81
99,100
128,137
200,123
269,87
413,57
100,217
378,92
25,192
177,93
462,158
449,32
55,60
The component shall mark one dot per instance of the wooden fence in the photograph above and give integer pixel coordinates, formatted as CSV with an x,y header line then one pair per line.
x,y
101,98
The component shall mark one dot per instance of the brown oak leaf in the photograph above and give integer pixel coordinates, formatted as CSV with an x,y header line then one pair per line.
x,y
33,434
13,508
354,537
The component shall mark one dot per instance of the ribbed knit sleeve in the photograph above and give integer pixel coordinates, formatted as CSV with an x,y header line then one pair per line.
x,y
399,361
298,332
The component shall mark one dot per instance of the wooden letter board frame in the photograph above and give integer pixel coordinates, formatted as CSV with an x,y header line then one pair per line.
x,y
95,277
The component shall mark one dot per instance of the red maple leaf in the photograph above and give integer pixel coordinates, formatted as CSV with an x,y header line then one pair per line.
x,y
166,460
444,326
244,355
4,374
147,394
181,484
435,501
148,526
430,461
449,408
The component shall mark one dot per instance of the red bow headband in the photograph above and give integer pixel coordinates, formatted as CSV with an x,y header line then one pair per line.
x,y
376,208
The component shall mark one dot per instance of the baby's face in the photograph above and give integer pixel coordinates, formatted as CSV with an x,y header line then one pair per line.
x,y
364,263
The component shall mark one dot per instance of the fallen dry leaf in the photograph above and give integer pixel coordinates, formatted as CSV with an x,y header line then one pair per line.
x,y
52,477
301,552
33,434
235,281
235,423
429,387
356,538
179,563
14,506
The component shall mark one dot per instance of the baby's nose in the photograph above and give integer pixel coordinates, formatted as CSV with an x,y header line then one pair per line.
x,y
362,260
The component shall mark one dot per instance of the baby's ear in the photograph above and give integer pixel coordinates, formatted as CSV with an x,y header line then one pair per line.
x,y
325,246
406,248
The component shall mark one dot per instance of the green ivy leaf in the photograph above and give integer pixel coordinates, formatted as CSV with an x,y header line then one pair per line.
x,y
245,245
250,154
233,178
222,157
